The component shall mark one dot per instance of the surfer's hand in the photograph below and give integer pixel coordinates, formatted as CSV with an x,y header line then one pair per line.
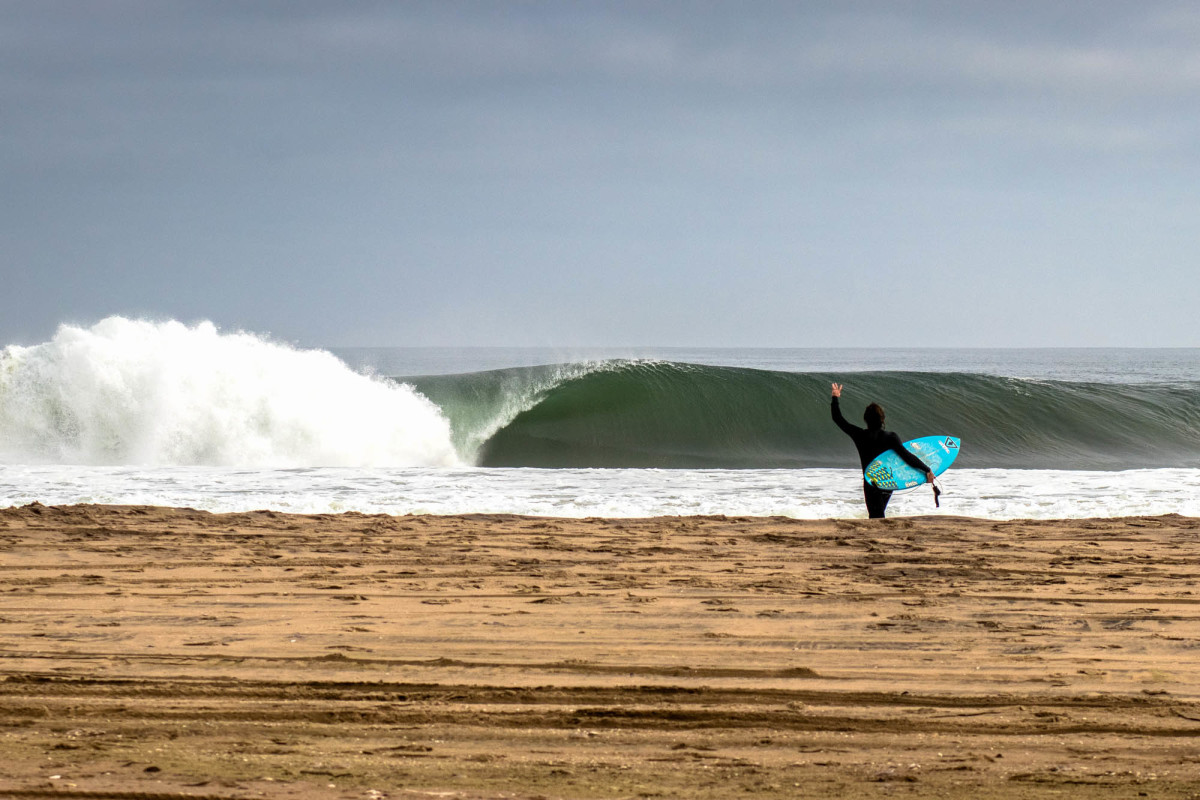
x,y
929,477
837,390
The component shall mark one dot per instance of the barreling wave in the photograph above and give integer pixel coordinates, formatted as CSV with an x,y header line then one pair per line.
x,y
133,392
671,415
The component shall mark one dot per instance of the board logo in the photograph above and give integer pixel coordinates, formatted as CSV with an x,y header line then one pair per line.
x,y
950,443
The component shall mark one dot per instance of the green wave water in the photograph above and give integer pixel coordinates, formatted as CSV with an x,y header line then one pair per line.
x,y
674,415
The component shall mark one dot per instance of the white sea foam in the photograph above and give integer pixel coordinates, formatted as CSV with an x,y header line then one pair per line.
x,y
133,392
804,494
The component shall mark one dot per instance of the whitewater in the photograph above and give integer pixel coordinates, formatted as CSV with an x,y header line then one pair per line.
x,y
166,394
163,413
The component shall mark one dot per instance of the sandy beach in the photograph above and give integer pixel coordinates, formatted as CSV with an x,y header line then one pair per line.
x,y
157,652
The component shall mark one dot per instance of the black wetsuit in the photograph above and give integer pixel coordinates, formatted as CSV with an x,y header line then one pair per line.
x,y
872,442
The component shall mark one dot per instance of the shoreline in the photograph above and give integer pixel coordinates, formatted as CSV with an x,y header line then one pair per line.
x,y
149,649
139,509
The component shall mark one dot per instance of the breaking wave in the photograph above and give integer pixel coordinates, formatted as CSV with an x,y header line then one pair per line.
x,y
133,392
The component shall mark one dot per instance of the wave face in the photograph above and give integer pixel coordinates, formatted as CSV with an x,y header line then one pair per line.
x,y
129,392
671,415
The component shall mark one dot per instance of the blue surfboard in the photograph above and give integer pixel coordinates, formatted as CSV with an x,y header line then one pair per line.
x,y
889,471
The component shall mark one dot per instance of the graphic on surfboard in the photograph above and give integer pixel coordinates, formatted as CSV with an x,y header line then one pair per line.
x,y
889,471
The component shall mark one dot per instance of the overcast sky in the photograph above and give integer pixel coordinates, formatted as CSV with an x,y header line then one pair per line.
x,y
606,173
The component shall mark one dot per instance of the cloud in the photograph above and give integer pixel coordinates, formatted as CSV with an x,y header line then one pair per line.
x,y
519,150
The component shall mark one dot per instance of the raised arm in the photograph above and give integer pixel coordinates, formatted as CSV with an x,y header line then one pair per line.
x,y
836,412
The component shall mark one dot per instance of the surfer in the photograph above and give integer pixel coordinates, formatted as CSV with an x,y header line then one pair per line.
x,y
871,442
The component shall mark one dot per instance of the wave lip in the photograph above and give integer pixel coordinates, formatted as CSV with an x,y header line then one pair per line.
x,y
135,392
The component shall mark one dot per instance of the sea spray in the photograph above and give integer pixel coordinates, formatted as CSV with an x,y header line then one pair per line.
x,y
126,392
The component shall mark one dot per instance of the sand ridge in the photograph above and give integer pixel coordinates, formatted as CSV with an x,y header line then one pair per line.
x,y
156,651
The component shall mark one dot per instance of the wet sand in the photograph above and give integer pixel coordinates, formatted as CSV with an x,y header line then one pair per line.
x,y
151,652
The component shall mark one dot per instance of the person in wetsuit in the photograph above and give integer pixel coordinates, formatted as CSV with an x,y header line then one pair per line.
x,y
871,442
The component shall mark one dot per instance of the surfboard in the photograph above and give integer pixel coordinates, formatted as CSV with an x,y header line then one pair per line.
x,y
889,471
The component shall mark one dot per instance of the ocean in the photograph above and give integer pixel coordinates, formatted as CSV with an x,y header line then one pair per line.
x,y
138,412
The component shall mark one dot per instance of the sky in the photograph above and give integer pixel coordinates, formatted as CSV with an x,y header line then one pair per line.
x,y
765,174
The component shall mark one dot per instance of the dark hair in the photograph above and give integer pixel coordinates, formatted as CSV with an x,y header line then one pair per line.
x,y
873,416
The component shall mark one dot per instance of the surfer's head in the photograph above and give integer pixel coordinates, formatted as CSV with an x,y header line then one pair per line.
x,y
873,416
